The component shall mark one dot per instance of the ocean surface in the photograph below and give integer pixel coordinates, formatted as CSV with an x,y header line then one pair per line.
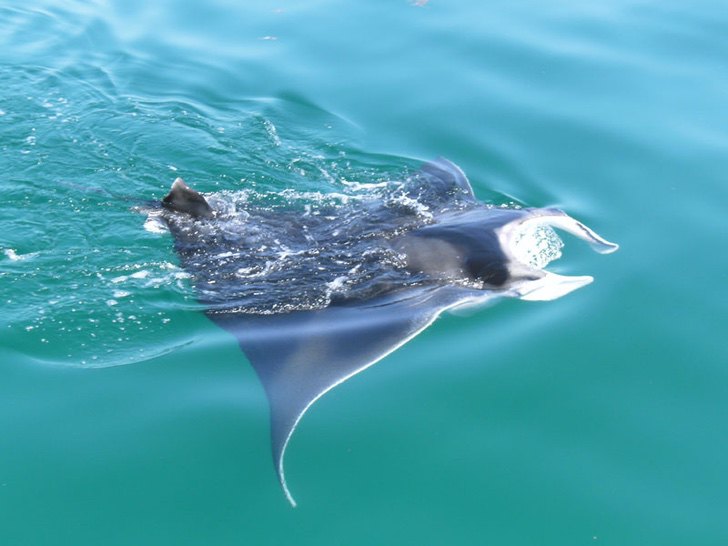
x,y
128,418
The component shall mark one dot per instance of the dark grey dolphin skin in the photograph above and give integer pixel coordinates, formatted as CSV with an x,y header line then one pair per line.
x,y
471,255
182,198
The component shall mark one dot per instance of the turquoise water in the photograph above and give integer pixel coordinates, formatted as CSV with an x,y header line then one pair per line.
x,y
600,418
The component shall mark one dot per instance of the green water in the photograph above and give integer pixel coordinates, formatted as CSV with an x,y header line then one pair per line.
x,y
128,418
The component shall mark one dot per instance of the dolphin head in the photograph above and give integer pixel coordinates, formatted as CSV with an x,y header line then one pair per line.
x,y
529,244
502,249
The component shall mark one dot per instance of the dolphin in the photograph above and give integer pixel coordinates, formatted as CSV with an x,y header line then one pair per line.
x,y
407,267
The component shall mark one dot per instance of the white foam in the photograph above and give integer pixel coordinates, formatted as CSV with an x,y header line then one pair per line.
x,y
536,245
337,284
154,224
15,257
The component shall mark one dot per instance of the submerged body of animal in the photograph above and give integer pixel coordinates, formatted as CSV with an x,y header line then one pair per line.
x,y
315,296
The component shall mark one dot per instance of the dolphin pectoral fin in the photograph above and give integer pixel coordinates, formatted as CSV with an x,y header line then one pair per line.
x,y
302,355
443,176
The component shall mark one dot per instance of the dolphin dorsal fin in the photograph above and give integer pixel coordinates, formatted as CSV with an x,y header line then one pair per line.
x,y
182,198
